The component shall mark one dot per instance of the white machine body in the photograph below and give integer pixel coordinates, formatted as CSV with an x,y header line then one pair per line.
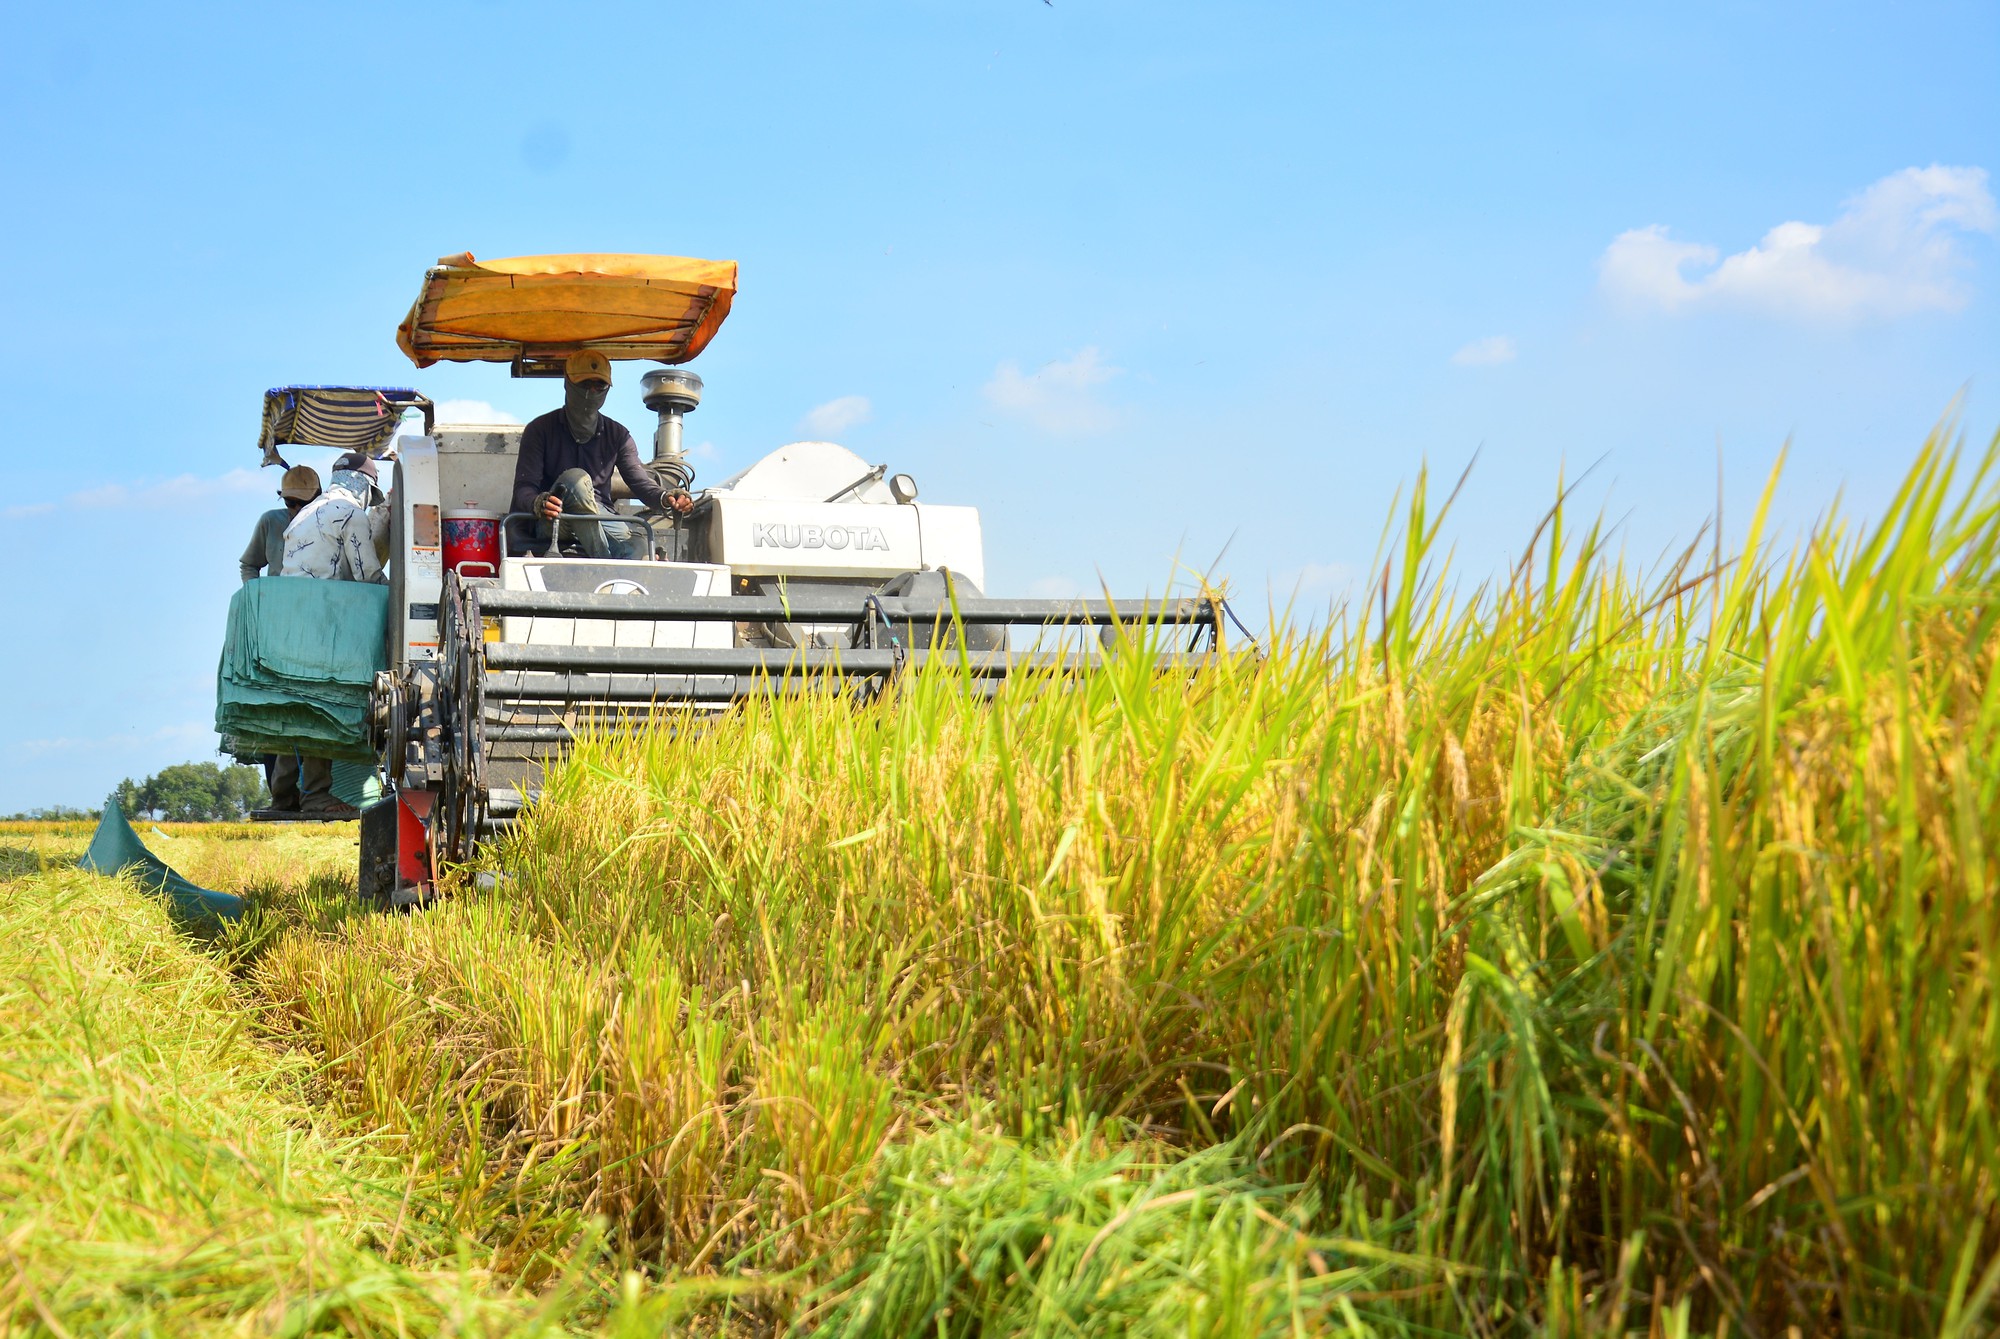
x,y
807,513
612,577
815,509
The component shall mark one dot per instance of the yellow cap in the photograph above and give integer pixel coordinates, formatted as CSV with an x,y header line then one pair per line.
x,y
587,365
301,482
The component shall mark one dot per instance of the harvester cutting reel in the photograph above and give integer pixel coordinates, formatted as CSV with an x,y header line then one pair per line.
x,y
464,739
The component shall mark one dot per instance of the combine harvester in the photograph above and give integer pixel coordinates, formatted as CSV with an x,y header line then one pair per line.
x,y
808,571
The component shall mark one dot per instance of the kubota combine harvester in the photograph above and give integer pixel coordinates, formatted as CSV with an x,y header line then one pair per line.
x,y
808,571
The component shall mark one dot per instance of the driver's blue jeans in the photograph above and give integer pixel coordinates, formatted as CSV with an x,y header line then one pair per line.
x,y
598,539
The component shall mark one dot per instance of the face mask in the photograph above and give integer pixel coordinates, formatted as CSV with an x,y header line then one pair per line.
x,y
582,401
355,484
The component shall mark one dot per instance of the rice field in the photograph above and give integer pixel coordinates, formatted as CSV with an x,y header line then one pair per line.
x,y
1589,951
166,1171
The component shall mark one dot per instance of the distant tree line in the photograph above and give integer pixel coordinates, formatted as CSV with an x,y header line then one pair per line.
x,y
193,792
55,813
189,792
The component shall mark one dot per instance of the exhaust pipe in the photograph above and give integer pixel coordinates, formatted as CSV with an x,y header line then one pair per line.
x,y
672,393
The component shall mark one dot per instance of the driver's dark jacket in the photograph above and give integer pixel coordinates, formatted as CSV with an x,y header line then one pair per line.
x,y
547,449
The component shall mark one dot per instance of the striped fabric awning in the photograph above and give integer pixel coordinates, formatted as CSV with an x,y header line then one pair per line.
x,y
347,418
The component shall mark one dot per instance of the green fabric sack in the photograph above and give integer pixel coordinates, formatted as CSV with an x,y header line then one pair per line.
x,y
115,848
309,631
298,659
355,784
311,747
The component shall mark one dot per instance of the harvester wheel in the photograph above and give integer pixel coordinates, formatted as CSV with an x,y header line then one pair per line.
x,y
389,724
461,711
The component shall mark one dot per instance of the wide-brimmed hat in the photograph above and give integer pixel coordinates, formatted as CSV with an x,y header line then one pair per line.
x,y
300,484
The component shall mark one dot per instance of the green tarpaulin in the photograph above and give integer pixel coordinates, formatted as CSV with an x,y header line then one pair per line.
x,y
297,662
115,848
356,784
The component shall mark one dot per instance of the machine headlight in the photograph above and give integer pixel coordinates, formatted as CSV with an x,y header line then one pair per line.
x,y
903,488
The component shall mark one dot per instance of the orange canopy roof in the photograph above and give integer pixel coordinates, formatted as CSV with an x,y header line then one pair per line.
x,y
540,309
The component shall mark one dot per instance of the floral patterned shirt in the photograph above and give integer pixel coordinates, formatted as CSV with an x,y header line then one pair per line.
x,y
338,536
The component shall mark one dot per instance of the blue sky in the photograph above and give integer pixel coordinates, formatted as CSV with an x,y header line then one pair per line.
x,y
1145,282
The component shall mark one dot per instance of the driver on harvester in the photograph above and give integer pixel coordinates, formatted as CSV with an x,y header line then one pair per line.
x,y
565,465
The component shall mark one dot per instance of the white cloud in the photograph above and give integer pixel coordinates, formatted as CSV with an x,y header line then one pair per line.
x,y
1894,250
1058,396
837,416
703,451
182,492
1054,588
192,732
1488,352
1313,583
472,413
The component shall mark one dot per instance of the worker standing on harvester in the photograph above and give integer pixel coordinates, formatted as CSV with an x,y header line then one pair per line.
x,y
341,536
566,460
265,554
344,535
